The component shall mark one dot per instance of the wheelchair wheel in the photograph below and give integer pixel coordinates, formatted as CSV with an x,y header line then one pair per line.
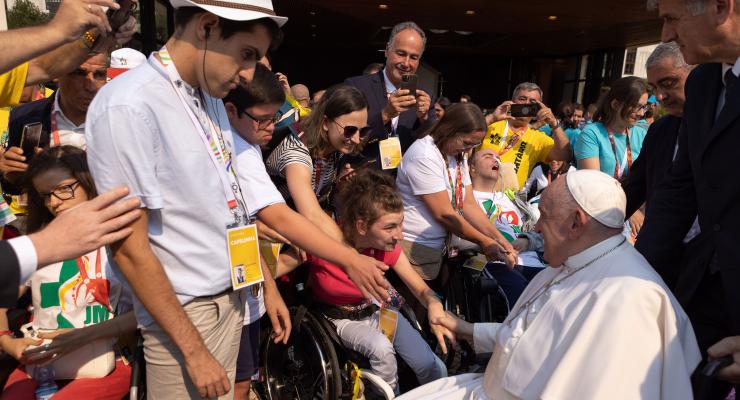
x,y
305,368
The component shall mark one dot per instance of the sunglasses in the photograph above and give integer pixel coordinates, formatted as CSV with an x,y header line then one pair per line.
x,y
351,130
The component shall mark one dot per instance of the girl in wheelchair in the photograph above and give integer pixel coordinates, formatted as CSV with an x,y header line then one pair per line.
x,y
372,217
78,305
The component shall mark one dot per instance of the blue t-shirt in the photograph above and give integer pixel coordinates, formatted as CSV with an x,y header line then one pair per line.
x,y
572,134
594,142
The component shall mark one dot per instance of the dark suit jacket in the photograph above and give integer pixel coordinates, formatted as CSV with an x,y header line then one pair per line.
x,y
702,180
650,168
409,127
11,276
35,111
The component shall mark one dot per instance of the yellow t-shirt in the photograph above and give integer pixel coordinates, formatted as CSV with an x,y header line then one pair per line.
x,y
532,148
12,84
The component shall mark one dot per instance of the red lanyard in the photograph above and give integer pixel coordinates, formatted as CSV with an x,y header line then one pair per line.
x,y
617,170
513,141
55,129
97,286
457,187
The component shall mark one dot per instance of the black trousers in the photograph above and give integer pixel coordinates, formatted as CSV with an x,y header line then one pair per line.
x,y
712,322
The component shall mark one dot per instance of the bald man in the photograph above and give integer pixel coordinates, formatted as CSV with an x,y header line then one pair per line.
x,y
301,94
600,324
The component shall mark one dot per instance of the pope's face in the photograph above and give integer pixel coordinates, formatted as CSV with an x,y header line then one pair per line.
x,y
553,225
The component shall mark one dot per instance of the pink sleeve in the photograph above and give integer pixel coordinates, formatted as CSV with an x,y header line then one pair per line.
x,y
391,257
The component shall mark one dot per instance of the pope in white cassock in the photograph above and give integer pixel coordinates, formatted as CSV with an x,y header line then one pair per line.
x,y
601,325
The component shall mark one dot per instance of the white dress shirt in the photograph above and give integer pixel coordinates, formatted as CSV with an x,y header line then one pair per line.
x,y
390,88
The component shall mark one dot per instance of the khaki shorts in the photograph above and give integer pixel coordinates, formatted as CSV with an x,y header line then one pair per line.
x,y
425,260
219,321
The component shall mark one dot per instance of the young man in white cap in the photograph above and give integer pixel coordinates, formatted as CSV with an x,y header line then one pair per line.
x,y
600,325
162,130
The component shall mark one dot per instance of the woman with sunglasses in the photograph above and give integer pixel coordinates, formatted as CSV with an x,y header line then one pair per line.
x,y
614,140
76,303
304,166
435,185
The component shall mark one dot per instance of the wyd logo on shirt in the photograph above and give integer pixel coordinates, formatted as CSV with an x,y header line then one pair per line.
x,y
77,302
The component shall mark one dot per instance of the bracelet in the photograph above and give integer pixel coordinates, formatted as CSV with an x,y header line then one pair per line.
x,y
9,333
89,41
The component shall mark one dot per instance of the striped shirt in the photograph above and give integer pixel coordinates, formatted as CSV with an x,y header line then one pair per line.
x,y
292,151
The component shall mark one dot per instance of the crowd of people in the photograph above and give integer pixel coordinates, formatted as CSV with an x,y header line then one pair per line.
x,y
164,197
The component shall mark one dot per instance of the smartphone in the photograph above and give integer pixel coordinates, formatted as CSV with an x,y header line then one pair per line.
x,y
30,139
409,82
524,110
116,18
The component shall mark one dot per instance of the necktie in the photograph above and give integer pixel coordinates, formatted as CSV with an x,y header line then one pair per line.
x,y
730,79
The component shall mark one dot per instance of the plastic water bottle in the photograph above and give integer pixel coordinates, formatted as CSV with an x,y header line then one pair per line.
x,y
44,377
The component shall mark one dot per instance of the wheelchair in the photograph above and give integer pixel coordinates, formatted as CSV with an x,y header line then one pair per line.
x,y
473,294
315,364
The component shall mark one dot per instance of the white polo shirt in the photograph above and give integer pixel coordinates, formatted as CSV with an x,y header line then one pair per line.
x,y
140,135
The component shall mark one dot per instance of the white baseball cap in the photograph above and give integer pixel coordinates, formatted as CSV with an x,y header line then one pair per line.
x,y
235,10
599,195
123,60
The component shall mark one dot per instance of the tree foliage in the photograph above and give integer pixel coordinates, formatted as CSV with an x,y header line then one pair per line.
x,y
25,13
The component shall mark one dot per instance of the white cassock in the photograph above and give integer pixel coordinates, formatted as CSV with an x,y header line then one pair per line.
x,y
609,331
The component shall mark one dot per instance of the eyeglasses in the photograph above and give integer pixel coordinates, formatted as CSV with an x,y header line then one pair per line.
x,y
62,192
467,146
351,130
263,123
99,75
642,108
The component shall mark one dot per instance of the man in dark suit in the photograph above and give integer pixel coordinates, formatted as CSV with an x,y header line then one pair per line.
x,y
703,178
667,72
89,226
65,111
393,111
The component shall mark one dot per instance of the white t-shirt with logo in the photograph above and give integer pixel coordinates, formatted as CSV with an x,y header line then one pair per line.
x,y
259,192
75,293
423,171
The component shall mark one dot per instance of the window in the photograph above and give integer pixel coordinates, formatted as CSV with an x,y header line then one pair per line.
x,y
630,58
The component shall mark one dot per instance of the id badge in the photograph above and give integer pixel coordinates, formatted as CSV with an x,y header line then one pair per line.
x,y
477,263
244,256
270,252
390,153
388,323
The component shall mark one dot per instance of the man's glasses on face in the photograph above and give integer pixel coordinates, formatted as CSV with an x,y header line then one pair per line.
x,y
99,75
62,192
265,122
351,130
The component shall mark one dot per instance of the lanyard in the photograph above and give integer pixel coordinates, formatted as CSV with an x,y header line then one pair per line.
x,y
627,161
514,140
458,186
55,129
214,144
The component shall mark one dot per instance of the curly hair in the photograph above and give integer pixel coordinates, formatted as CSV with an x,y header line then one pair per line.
x,y
367,197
